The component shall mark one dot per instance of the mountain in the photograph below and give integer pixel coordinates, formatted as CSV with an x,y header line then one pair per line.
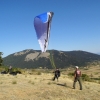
x,y
34,58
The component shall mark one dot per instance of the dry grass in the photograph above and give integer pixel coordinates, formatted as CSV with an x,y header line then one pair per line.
x,y
41,87
94,70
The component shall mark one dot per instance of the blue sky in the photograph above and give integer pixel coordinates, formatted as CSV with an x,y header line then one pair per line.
x,y
75,25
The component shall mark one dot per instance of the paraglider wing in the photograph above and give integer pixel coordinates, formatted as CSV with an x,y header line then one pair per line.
x,y
42,24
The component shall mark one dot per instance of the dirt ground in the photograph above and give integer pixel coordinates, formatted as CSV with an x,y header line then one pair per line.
x,y
41,87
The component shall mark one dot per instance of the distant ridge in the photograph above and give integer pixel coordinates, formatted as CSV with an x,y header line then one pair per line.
x,y
30,58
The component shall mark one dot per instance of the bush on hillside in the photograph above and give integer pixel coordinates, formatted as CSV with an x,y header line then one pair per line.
x,y
85,77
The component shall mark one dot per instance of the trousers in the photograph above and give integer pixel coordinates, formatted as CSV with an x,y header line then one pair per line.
x,y
79,81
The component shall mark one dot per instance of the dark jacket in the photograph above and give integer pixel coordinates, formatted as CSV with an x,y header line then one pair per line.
x,y
57,73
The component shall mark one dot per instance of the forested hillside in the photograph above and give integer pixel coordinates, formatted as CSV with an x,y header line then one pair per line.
x,y
61,59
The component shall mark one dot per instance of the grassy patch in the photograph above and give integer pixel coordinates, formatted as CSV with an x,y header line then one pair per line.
x,y
14,82
32,83
29,81
38,73
49,83
1,82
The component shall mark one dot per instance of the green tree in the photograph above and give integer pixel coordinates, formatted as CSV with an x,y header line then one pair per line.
x,y
1,60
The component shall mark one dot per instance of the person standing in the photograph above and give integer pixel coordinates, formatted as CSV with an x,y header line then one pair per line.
x,y
56,74
10,69
77,75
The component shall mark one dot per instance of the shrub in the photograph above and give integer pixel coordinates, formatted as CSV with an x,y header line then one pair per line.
x,y
85,77
86,69
38,73
71,74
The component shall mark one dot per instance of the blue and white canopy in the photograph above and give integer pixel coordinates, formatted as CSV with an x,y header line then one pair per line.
x,y
42,25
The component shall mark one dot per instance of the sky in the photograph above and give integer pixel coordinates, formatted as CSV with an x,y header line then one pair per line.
x,y
75,25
